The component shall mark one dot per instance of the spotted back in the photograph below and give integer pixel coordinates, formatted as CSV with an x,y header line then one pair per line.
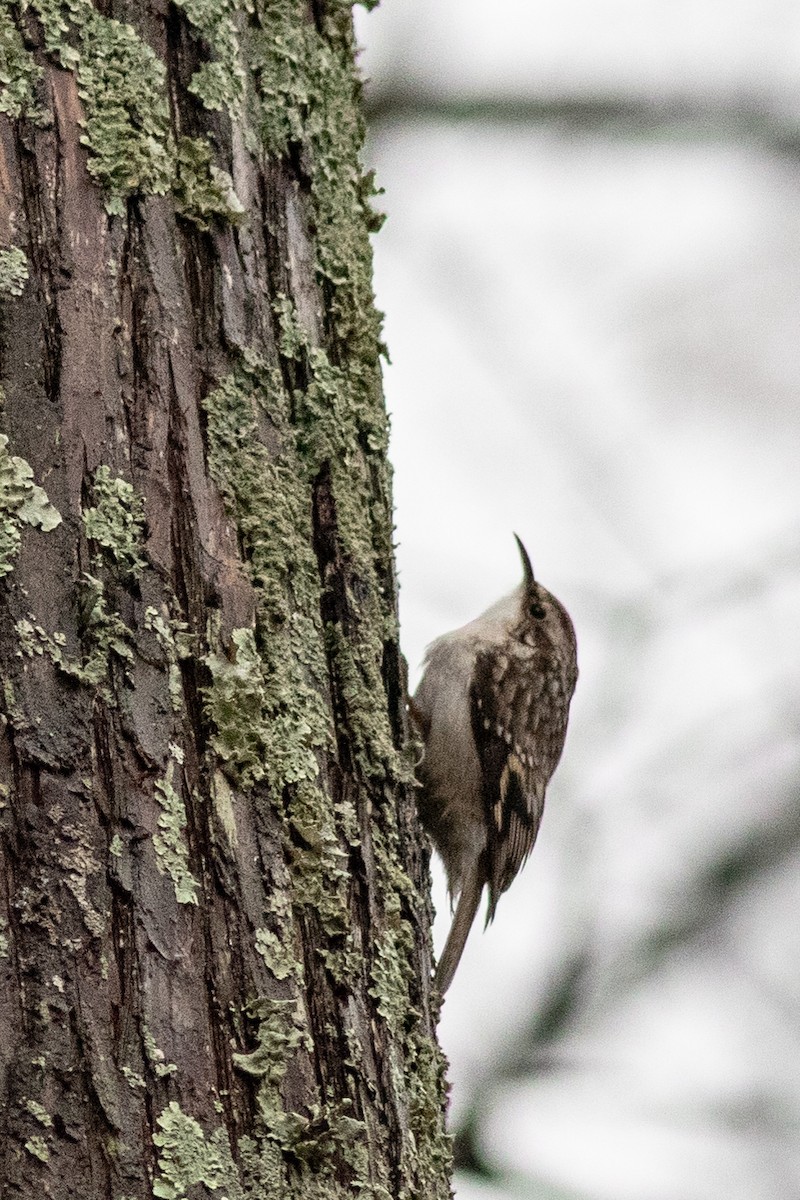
x,y
520,695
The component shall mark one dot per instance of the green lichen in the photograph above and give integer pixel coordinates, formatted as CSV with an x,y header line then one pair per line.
x,y
37,1146
172,852
392,954
273,951
283,51
213,85
277,944
176,643
156,1057
310,95
266,699
335,414
127,128
330,1143
22,502
256,735
19,72
114,525
123,88
115,846
267,495
337,431
203,192
188,1158
236,703
282,1029
57,17
358,665
263,1168
32,639
40,1113
115,521
78,863
103,632
320,1136
394,948
219,84
134,1080
3,938
13,271
425,1072
321,876
267,449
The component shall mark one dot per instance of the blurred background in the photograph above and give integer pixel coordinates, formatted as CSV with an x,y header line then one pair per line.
x,y
591,278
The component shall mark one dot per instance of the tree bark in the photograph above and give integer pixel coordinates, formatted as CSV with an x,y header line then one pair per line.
x,y
214,924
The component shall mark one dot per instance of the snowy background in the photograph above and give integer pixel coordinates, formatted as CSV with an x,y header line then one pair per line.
x,y
591,278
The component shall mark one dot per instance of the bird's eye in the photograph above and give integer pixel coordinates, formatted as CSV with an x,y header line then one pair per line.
x,y
536,610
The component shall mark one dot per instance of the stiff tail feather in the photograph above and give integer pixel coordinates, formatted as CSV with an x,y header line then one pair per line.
x,y
466,908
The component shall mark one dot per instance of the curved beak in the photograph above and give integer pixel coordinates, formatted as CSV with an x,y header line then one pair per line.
x,y
527,569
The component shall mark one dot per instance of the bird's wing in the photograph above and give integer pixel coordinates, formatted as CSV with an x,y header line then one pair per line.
x,y
519,722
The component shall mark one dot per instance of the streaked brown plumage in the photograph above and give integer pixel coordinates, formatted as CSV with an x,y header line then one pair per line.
x,y
492,708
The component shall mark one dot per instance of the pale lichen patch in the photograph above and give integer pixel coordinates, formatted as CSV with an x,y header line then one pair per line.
x,y
267,696
115,521
13,266
123,88
39,1112
38,1147
127,127
219,84
172,851
282,1029
156,1057
19,72
22,502
176,643
187,1158
104,633
204,193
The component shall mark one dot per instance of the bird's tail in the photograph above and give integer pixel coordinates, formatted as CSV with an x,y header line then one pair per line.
x,y
466,908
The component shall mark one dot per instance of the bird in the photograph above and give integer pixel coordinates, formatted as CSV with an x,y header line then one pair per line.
x,y
491,709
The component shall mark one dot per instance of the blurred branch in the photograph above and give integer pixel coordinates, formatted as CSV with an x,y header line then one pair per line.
x,y
742,119
582,980
588,978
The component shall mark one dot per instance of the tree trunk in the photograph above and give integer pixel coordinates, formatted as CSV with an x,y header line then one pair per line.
x,y
214,947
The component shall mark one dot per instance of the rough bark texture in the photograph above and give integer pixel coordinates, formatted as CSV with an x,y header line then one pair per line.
x,y
214,952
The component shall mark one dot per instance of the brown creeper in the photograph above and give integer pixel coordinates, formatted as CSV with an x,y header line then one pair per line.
x,y
492,709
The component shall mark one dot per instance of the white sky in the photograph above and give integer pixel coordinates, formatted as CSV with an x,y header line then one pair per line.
x,y
595,343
